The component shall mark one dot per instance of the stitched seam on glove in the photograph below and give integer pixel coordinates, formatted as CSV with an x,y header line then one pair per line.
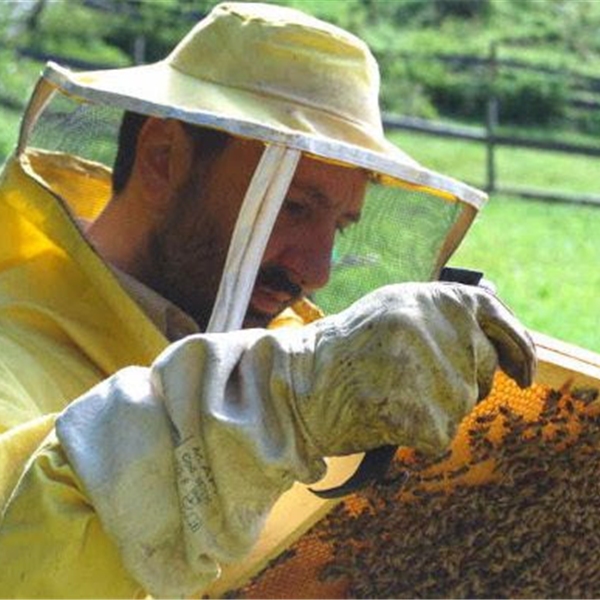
x,y
298,372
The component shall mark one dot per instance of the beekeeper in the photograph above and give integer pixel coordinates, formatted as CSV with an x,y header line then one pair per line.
x,y
150,418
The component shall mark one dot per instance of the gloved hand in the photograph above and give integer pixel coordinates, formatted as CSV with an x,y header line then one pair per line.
x,y
183,461
403,366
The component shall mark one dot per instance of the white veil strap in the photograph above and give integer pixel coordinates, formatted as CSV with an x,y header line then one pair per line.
x,y
253,228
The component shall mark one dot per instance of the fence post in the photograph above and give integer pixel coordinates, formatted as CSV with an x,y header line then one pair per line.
x,y
139,49
491,118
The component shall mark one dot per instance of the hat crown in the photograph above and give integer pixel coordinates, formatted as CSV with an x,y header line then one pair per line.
x,y
284,54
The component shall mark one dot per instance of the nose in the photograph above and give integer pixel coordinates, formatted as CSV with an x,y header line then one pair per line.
x,y
308,259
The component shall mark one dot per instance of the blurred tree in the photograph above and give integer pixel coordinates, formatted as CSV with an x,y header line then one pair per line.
x,y
404,35
18,18
33,18
465,9
147,31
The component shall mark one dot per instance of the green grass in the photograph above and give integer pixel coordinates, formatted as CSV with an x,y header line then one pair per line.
x,y
9,129
466,160
543,257
548,170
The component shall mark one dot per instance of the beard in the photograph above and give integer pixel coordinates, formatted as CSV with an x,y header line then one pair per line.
x,y
188,255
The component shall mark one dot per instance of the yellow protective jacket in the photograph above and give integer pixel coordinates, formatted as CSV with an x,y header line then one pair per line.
x,y
65,324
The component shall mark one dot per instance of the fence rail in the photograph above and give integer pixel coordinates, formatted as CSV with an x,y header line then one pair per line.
x,y
480,134
492,142
486,135
583,80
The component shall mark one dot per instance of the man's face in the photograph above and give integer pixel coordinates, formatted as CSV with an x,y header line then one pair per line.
x,y
190,249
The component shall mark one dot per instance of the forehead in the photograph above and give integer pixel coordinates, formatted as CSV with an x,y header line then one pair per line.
x,y
332,185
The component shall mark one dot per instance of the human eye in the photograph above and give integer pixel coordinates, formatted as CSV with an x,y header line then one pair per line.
x,y
296,207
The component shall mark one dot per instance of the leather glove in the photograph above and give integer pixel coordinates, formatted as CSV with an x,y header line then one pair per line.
x,y
183,461
404,364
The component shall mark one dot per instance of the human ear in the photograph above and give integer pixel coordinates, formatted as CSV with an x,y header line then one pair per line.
x,y
164,156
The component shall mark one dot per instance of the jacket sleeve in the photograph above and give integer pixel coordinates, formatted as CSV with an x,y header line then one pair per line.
x,y
52,542
157,476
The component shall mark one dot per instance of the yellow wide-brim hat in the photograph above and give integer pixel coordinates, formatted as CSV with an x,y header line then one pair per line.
x,y
271,73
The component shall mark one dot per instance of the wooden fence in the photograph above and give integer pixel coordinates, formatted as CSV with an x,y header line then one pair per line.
x,y
488,136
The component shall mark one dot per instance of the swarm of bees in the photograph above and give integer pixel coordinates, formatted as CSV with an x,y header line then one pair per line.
x,y
510,511
518,519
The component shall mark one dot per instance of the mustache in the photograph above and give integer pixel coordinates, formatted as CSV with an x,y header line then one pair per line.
x,y
276,278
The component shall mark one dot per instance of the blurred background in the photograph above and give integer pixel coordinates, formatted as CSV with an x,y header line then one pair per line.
x,y
503,94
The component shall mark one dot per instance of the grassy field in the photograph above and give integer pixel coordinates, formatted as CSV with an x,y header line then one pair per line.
x,y
543,257
9,127
466,160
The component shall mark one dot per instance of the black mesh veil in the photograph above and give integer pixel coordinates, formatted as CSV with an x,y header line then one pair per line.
x,y
406,232
399,238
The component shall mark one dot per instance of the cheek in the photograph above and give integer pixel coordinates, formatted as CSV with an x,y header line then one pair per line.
x,y
293,241
287,234
276,244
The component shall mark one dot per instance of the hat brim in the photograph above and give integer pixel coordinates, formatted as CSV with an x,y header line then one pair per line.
x,y
160,90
